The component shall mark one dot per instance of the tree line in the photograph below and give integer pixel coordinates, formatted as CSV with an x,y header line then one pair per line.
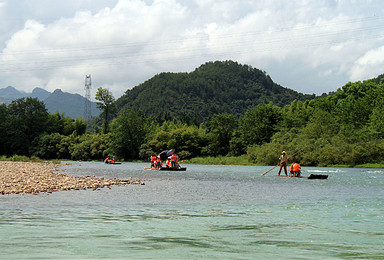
x,y
343,128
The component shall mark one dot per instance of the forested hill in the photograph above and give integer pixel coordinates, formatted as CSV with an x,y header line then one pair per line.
x,y
213,88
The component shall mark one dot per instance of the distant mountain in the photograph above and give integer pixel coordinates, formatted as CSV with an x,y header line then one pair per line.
x,y
10,93
40,93
71,105
213,88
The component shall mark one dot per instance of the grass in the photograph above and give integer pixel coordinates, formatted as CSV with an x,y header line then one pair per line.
x,y
370,165
365,165
339,166
22,158
220,160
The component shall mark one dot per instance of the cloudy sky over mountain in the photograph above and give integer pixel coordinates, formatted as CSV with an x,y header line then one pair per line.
x,y
308,46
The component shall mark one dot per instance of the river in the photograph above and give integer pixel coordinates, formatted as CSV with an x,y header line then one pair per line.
x,y
208,212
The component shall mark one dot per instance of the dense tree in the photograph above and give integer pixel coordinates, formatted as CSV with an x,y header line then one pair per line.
x,y
188,141
48,146
220,131
106,104
3,128
27,119
129,131
259,124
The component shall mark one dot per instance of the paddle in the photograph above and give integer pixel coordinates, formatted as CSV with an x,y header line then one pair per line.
x,y
285,160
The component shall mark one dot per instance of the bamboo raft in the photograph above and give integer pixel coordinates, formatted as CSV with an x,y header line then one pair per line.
x,y
310,177
167,169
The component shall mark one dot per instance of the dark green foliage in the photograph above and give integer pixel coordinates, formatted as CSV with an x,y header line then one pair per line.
x,y
213,88
220,130
90,147
106,104
129,131
259,124
188,141
3,128
66,125
346,127
26,120
48,146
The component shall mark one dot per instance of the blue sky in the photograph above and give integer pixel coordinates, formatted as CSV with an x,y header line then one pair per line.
x,y
309,46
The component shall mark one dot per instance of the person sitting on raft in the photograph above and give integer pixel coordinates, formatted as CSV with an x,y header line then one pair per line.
x,y
153,160
295,170
158,163
108,160
168,164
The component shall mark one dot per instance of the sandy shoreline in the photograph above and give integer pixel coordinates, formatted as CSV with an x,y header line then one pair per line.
x,y
28,177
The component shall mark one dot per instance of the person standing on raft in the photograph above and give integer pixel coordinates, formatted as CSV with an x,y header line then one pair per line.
x,y
283,162
175,161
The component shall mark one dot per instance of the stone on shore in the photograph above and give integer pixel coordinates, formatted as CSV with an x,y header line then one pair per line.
x,y
28,177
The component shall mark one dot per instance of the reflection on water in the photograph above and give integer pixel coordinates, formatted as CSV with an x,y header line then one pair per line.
x,y
205,212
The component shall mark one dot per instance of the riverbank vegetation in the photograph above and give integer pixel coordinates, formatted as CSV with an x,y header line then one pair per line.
x,y
343,128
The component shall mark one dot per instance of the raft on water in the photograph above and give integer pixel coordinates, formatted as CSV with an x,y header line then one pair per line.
x,y
318,176
167,169
310,177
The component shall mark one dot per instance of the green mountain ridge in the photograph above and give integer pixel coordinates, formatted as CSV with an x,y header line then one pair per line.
x,y
213,88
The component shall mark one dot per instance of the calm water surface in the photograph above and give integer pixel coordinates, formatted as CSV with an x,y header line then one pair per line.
x,y
209,212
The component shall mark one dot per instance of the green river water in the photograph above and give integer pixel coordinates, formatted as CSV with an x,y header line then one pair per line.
x,y
207,212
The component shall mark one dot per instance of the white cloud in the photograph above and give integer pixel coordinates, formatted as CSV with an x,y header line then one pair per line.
x,y
305,45
370,65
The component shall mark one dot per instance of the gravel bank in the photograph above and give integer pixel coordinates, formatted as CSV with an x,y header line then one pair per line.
x,y
28,177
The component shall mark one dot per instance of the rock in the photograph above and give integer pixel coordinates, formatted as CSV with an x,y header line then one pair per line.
x,y
33,178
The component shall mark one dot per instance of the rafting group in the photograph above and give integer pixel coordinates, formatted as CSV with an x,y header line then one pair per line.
x,y
111,160
172,162
294,169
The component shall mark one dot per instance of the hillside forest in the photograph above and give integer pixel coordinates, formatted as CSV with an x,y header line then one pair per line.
x,y
342,128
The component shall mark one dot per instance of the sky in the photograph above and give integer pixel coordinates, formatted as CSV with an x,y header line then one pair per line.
x,y
312,47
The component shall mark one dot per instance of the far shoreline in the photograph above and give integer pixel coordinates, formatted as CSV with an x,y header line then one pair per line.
x,y
219,160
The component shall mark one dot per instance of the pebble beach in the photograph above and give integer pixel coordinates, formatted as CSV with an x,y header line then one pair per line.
x,y
34,178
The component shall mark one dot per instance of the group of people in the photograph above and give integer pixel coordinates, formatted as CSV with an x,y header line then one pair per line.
x,y
110,160
294,169
172,161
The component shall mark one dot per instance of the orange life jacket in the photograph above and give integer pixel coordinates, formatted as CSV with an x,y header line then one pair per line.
x,y
153,158
295,167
